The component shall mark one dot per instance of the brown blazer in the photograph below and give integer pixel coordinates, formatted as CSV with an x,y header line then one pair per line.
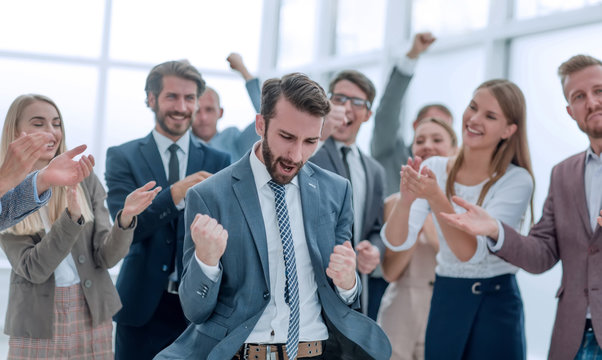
x,y
564,233
95,246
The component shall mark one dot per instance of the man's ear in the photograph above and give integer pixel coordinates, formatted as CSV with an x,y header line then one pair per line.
x,y
570,111
151,100
260,125
221,113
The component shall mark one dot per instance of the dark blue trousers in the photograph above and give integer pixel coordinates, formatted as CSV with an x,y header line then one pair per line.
x,y
476,319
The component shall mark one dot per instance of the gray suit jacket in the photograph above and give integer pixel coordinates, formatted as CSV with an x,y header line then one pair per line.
x,y
388,146
19,202
223,313
329,158
95,246
564,234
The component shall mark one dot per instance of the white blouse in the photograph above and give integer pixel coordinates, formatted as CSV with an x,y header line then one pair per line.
x,y
507,200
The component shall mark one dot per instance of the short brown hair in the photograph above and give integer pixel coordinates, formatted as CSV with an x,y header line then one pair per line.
x,y
358,79
303,93
574,64
181,68
423,110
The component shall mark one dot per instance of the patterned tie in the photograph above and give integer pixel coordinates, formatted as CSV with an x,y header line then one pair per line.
x,y
291,291
174,164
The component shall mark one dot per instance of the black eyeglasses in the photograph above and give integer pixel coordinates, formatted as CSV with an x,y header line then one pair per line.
x,y
340,99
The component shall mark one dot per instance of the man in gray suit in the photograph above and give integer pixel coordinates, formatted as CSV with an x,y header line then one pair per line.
x,y
388,145
258,281
22,192
341,155
570,227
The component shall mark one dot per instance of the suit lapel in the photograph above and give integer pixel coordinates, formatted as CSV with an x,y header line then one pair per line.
x,y
576,180
150,153
337,160
196,157
310,199
245,190
369,181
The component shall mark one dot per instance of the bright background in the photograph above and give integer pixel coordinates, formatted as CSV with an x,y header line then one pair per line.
x,y
92,58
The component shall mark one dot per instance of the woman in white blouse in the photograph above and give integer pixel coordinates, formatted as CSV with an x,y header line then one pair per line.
x,y
476,309
61,296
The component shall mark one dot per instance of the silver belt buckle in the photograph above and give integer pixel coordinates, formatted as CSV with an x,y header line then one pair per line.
x,y
172,287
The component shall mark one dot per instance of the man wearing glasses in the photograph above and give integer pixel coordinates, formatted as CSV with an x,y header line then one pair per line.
x,y
355,92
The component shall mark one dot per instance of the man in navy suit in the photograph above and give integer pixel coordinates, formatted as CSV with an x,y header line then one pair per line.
x,y
268,266
151,317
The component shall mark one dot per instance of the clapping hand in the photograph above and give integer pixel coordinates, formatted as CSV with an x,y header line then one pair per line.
x,y
137,201
64,171
475,221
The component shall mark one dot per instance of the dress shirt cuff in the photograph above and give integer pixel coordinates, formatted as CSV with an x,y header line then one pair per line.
x,y
349,295
212,272
391,247
406,65
45,195
493,245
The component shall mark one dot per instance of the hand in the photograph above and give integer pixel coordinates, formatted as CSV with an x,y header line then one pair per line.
x,y
422,41
341,268
335,119
72,205
600,218
368,257
421,184
407,197
210,239
137,201
22,154
178,189
63,171
237,64
475,221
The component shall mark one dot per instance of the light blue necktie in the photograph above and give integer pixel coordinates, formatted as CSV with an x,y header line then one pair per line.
x,y
291,291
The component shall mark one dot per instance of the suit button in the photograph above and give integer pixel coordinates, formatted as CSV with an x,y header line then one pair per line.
x,y
205,288
169,241
81,259
88,283
266,295
164,268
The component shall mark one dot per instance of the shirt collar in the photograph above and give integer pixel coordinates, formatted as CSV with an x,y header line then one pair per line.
x,y
590,155
260,172
354,149
163,142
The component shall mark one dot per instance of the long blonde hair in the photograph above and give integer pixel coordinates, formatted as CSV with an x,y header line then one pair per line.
x,y
513,150
58,201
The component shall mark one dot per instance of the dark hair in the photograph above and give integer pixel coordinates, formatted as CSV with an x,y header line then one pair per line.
x,y
181,68
423,110
358,79
302,92
574,64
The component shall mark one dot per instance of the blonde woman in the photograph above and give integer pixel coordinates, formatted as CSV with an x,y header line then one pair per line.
x,y
61,296
405,305
476,309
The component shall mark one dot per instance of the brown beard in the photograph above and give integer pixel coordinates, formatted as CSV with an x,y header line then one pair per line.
x,y
271,164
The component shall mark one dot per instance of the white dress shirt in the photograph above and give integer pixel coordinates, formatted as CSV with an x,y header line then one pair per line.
x,y
506,200
358,187
272,326
163,144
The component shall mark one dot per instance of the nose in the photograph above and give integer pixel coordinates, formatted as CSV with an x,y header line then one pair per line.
x,y
181,105
593,102
296,153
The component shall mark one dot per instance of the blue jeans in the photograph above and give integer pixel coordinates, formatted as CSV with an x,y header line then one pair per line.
x,y
589,350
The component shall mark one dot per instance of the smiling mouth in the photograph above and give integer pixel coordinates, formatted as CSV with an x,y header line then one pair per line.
x,y
51,144
473,131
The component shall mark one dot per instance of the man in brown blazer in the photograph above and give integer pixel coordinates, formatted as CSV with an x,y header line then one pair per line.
x,y
570,227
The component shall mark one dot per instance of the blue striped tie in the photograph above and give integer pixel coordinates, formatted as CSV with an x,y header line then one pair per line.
x,y
291,291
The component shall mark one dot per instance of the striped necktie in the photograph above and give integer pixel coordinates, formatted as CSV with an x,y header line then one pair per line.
x,y
291,291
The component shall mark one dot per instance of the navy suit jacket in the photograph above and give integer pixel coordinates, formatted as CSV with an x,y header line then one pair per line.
x,y
329,158
223,313
160,230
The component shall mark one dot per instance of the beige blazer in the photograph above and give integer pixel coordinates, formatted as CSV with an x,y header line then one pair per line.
x,y
564,233
405,306
95,246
